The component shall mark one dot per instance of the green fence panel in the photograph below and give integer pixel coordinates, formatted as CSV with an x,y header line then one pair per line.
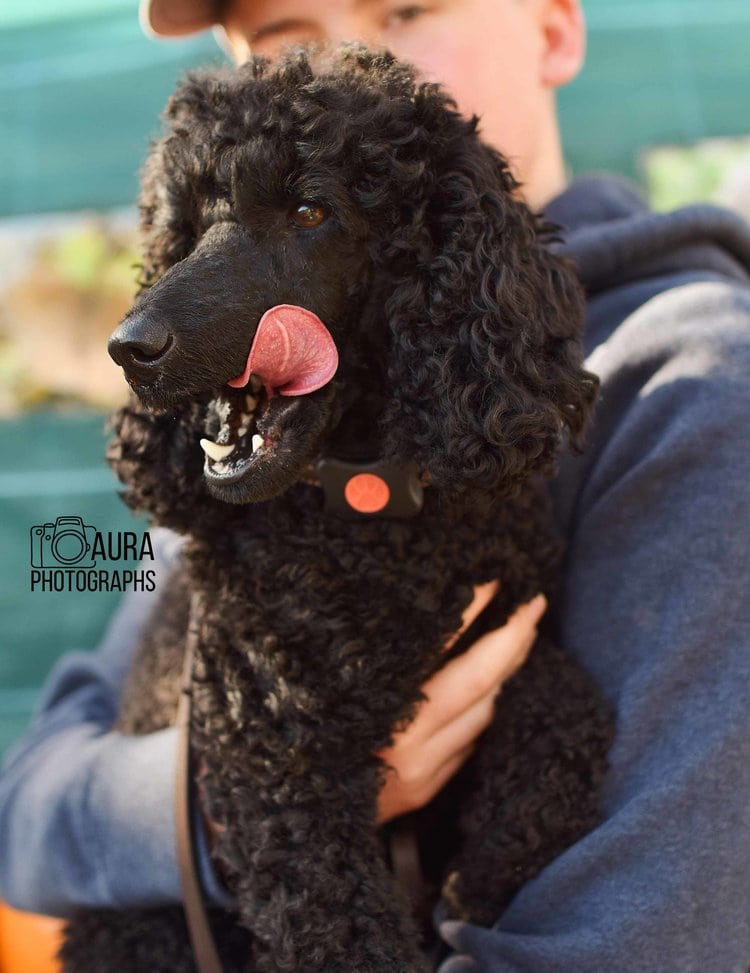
x,y
54,466
79,100
657,73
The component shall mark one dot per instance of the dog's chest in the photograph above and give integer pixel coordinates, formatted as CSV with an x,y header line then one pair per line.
x,y
308,616
296,570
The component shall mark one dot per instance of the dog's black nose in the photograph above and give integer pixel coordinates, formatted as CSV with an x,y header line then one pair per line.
x,y
140,345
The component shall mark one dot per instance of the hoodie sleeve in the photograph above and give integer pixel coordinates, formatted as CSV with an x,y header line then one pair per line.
x,y
655,605
86,813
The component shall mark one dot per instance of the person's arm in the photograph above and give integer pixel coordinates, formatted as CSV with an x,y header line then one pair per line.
x,y
655,604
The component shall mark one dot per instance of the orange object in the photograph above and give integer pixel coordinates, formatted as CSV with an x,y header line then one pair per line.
x,y
367,493
29,942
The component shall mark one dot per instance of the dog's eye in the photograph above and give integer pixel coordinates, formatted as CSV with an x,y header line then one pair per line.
x,y
307,215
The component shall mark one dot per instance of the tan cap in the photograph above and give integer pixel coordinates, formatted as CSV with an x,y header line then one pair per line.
x,y
175,18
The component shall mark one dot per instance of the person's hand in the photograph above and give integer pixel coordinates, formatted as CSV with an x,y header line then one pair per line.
x,y
460,704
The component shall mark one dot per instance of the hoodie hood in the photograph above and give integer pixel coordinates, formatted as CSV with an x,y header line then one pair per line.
x,y
613,237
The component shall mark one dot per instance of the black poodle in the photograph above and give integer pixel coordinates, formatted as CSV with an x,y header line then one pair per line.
x,y
346,305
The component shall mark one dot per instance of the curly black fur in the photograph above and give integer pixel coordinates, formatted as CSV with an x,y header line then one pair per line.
x,y
458,334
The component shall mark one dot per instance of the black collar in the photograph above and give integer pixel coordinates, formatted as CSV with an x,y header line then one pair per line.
x,y
368,489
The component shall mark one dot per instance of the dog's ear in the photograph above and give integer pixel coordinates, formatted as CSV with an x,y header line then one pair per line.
x,y
485,326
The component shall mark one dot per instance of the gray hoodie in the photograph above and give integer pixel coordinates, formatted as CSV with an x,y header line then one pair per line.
x,y
656,520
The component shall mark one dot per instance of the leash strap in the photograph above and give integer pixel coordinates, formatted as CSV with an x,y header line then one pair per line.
x,y
202,940
406,866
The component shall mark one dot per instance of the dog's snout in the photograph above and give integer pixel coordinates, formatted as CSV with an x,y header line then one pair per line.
x,y
140,344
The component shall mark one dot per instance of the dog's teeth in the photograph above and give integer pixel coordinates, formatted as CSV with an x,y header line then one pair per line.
x,y
220,467
257,442
251,401
255,383
215,451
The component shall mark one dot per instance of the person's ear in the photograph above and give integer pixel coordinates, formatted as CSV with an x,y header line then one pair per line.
x,y
564,36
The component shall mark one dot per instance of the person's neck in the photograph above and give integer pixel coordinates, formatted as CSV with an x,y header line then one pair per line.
x,y
546,177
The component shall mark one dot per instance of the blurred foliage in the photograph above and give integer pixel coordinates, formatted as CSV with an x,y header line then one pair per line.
x,y
56,313
677,176
13,376
91,259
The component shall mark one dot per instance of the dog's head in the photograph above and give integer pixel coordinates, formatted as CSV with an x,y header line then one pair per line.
x,y
335,263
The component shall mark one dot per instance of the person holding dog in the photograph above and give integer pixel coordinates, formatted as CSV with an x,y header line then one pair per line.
x,y
655,518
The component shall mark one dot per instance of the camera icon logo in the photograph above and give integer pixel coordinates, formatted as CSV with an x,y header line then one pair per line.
x,y
68,543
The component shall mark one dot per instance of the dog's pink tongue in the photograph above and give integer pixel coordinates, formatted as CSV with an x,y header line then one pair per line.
x,y
292,353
